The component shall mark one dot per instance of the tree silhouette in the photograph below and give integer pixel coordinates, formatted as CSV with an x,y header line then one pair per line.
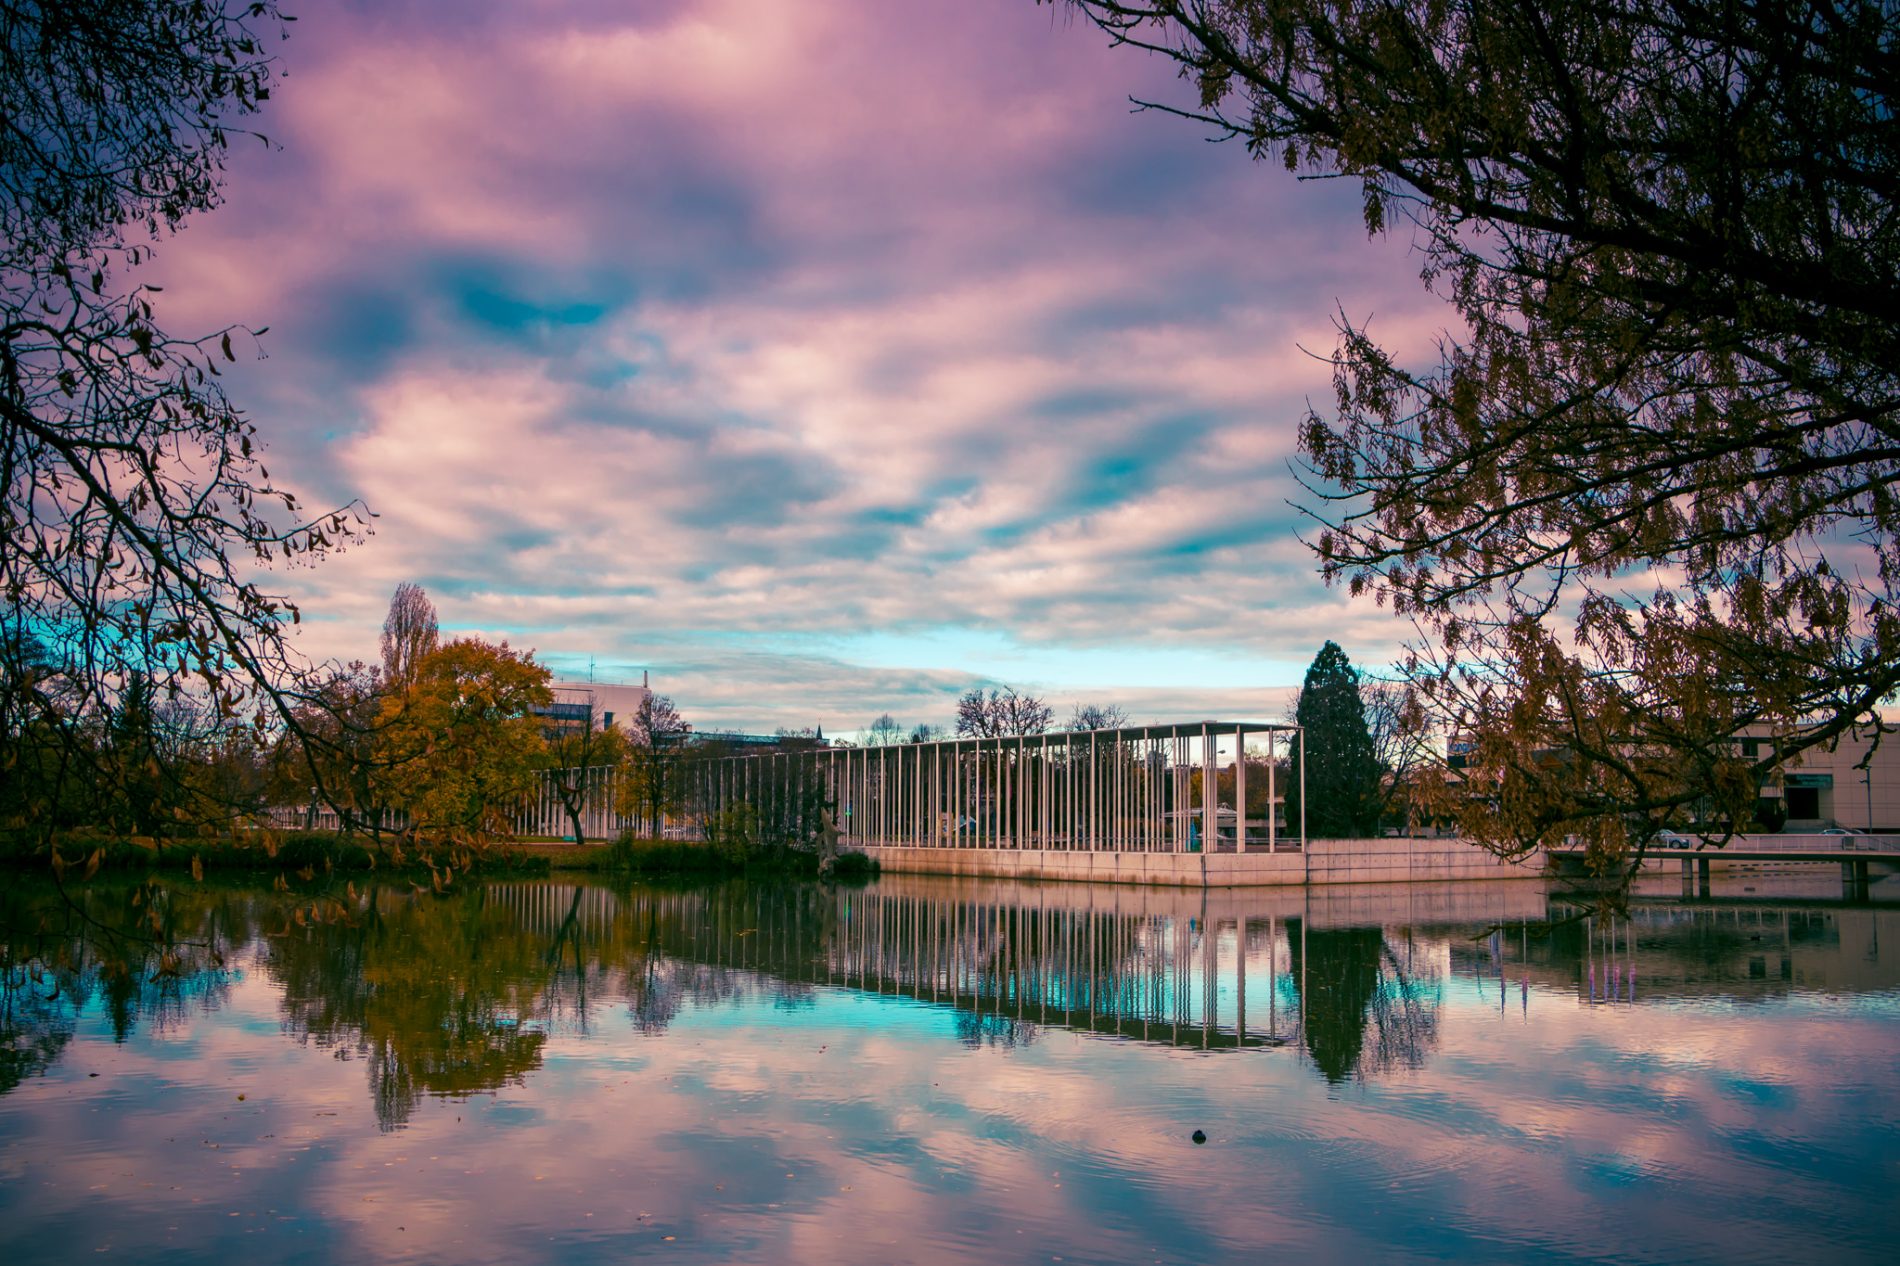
x,y
1643,496
136,509
884,732
1341,771
1001,713
1098,716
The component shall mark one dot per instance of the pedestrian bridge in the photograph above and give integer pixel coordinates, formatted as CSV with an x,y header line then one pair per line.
x,y
1862,858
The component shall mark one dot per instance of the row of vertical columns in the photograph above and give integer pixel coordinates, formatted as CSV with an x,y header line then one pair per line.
x,y
1113,790
1025,962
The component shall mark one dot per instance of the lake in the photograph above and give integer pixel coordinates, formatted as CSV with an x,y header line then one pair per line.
x,y
931,1069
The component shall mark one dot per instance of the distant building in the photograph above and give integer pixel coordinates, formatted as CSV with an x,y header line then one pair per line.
x,y
1822,788
734,739
1818,788
743,744
606,703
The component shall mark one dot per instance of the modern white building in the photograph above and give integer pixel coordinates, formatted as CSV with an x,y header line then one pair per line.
x,y
597,702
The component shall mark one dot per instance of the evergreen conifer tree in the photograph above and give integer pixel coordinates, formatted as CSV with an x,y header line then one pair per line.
x,y
1342,771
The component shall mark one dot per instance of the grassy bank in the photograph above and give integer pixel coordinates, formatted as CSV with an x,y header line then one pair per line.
x,y
263,853
328,852
563,856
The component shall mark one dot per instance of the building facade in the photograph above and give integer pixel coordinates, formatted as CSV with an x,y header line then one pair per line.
x,y
1854,785
600,704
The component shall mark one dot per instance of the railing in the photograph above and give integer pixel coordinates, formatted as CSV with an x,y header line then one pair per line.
x,y
1821,843
1792,843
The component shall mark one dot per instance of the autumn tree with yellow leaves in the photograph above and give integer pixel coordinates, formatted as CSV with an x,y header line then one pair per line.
x,y
465,738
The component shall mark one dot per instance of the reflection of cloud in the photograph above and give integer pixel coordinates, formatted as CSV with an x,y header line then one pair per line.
x,y
643,326
856,1126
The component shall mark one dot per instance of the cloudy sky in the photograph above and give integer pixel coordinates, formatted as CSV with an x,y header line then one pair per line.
x,y
822,358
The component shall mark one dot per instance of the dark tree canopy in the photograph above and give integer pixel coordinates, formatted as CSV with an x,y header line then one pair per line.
x,y
1001,713
657,722
135,508
1646,494
886,731
1342,775
656,782
1098,716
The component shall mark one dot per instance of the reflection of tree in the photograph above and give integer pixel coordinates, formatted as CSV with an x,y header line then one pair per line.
x,y
681,946
1404,1013
977,1029
456,995
438,994
1350,978
35,1024
146,952
1337,972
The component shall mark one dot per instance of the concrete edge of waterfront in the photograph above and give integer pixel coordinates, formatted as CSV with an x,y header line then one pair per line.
x,y
1361,861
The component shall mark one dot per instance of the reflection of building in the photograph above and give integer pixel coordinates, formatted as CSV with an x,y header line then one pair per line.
x,y
1196,971
601,704
1739,951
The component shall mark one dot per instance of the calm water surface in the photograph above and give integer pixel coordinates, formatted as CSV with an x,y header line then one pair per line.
x,y
930,1070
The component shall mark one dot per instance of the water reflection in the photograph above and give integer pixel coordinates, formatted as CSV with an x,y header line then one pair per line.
x,y
1174,969
458,994
1368,1005
1749,951
145,954
438,997
930,1068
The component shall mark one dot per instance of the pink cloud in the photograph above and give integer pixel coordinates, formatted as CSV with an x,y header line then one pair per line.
x,y
719,318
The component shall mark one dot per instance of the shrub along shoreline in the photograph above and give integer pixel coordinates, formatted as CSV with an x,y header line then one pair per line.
x,y
640,856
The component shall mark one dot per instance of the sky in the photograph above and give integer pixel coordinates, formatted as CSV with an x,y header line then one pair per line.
x,y
819,359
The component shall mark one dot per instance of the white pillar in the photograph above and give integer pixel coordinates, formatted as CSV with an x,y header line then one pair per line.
x,y
1240,799
1210,792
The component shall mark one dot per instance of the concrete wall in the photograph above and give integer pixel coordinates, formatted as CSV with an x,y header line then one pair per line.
x,y
1326,862
1427,901
1176,869
1334,905
1377,861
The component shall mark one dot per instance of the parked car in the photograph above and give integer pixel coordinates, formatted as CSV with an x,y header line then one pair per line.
x,y
1674,839
1842,830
